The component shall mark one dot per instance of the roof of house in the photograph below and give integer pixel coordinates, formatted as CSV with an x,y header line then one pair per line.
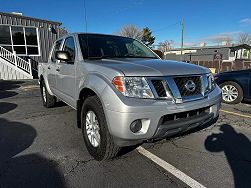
x,y
246,46
30,18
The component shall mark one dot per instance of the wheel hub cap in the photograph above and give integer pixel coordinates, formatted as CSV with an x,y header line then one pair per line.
x,y
92,128
229,93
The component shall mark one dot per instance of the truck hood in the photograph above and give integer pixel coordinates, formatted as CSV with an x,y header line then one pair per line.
x,y
152,67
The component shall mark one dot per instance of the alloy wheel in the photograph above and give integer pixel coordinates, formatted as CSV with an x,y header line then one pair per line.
x,y
92,128
229,93
44,93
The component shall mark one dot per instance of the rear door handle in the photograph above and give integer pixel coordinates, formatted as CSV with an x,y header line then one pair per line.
x,y
49,67
57,69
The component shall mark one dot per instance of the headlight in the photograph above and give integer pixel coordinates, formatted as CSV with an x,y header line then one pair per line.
x,y
211,81
133,86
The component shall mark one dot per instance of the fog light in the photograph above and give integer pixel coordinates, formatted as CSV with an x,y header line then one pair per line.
x,y
136,126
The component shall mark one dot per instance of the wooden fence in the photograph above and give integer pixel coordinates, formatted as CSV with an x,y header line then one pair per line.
x,y
220,66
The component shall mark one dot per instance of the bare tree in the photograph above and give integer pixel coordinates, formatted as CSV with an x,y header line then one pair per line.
x,y
244,38
62,31
165,45
131,31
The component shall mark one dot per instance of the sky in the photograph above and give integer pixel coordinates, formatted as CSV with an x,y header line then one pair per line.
x,y
204,20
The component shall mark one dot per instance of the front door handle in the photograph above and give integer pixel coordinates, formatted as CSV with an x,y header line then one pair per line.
x,y
49,67
57,69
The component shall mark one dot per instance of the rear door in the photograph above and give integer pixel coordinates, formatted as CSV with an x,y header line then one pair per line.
x,y
52,67
66,77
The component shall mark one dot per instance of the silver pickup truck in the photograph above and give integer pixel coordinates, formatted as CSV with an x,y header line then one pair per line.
x,y
124,94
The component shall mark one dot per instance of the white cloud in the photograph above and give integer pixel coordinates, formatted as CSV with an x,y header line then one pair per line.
x,y
246,21
190,44
214,39
221,37
217,38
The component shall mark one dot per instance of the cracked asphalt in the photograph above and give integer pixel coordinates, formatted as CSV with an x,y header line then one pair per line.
x,y
42,147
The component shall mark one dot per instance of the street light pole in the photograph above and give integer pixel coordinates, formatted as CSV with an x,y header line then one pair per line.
x,y
182,38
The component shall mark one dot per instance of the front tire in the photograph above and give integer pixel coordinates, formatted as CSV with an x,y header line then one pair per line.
x,y
48,100
98,140
232,92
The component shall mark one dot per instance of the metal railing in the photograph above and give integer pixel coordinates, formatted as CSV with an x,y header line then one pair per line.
x,y
15,60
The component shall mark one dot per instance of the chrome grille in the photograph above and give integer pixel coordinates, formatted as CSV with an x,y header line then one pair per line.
x,y
177,87
158,86
181,82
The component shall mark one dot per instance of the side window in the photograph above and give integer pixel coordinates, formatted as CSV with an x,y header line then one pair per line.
x,y
69,46
56,48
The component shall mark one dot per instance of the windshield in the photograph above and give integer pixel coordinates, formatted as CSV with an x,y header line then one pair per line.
x,y
95,46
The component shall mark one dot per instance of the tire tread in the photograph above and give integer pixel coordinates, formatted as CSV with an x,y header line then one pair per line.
x,y
111,149
50,100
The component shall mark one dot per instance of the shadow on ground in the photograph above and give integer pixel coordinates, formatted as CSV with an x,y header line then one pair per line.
x,y
6,107
7,94
10,85
23,170
7,86
237,148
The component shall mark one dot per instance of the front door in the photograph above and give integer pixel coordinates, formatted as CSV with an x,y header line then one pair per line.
x,y
52,63
66,75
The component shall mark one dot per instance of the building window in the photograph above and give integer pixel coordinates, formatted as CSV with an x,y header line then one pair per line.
x,y
31,36
18,36
5,35
20,50
5,38
245,54
22,40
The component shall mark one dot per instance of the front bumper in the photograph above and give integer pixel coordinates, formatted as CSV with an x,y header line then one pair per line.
x,y
120,114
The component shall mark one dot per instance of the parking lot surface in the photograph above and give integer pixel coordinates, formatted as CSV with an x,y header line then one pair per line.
x,y
42,147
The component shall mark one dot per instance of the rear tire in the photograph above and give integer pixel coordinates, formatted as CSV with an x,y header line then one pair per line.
x,y
232,92
48,100
106,148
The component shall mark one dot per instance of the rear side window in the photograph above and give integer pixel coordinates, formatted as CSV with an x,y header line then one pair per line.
x,y
69,46
56,48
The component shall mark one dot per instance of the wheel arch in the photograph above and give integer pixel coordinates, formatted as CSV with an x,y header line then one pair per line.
x,y
231,80
83,94
42,78
89,87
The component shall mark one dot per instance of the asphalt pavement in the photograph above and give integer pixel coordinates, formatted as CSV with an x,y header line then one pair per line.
x,y
42,147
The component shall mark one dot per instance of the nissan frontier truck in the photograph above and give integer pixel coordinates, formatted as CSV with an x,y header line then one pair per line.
x,y
123,93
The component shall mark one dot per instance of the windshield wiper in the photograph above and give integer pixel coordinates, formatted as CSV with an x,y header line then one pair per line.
x,y
124,56
101,57
133,56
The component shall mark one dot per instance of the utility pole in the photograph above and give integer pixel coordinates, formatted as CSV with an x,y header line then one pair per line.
x,y
182,38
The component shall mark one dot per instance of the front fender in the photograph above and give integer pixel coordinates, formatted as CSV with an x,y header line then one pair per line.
x,y
97,83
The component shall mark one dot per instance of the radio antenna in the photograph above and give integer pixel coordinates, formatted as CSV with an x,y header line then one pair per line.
x,y
85,16
87,42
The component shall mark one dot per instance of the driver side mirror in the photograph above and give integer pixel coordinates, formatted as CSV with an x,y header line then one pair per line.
x,y
63,56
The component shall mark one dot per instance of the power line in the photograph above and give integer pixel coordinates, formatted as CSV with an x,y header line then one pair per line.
x,y
166,27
